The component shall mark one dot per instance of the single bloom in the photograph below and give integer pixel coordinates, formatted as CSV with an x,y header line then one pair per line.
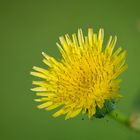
x,y
85,79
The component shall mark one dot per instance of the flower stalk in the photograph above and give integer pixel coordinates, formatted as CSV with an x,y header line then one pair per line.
x,y
132,122
119,117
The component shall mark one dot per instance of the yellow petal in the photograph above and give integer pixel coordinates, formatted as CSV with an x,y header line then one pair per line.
x,y
41,99
46,94
58,113
39,89
44,105
90,36
40,75
73,113
53,106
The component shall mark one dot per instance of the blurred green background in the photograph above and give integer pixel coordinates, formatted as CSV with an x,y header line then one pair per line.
x,y
29,27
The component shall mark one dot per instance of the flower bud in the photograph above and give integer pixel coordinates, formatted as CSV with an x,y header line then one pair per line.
x,y
134,121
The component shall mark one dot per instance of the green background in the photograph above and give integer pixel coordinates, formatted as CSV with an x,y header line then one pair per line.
x,y
29,27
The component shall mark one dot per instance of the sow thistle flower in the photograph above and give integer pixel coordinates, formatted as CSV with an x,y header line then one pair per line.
x,y
85,79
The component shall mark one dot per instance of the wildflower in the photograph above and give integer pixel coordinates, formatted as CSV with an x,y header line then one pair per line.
x,y
84,79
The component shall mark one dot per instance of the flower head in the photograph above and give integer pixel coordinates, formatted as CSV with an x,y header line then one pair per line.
x,y
84,78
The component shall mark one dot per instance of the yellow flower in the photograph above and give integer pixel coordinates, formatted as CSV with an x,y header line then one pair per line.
x,y
84,78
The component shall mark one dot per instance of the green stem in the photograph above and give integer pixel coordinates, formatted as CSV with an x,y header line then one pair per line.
x,y
119,117
132,122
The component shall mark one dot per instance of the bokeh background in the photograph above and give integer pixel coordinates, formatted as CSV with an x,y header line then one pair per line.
x,y
29,27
